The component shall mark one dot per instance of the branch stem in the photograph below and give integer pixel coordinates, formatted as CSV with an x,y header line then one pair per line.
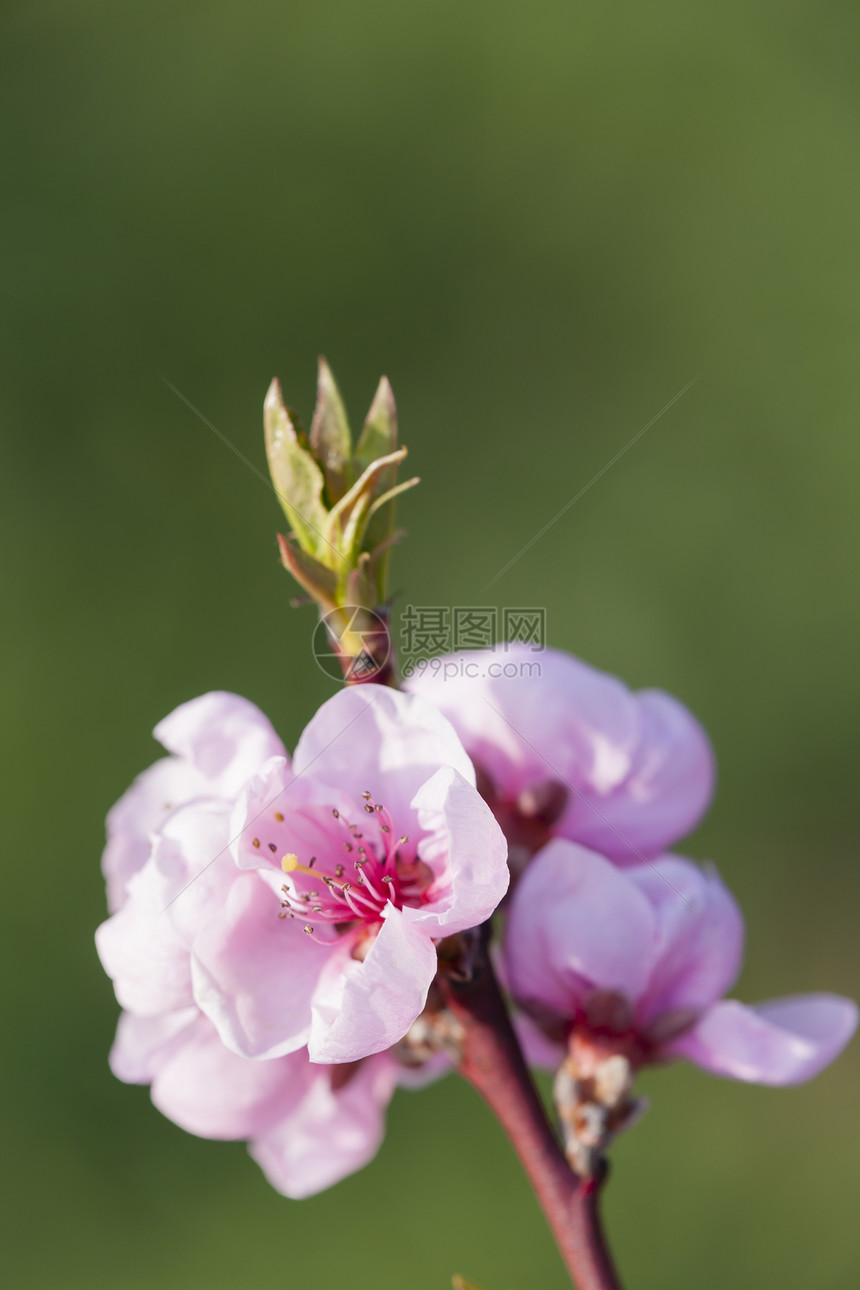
x,y
493,1063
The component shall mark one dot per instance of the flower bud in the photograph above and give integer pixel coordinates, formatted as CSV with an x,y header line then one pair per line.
x,y
338,498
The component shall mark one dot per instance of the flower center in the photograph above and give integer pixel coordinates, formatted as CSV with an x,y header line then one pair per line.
x,y
348,893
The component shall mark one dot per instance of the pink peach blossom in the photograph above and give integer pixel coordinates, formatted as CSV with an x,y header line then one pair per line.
x,y
377,846
169,870
636,961
563,750
210,897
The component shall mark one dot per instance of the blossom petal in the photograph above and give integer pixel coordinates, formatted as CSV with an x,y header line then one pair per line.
x,y
227,738
538,1049
576,923
144,946
785,1041
554,716
372,738
254,974
191,870
664,795
207,1090
700,935
143,1044
638,767
146,961
467,852
363,1007
140,811
330,1132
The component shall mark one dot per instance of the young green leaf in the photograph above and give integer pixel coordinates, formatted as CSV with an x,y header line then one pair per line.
x,y
297,478
330,438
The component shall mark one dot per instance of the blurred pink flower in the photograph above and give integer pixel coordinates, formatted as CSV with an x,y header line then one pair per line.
x,y
563,750
635,962
208,918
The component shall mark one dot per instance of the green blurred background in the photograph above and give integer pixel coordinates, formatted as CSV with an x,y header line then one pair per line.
x,y
541,221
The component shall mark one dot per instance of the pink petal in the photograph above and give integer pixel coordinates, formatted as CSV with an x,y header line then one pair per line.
x,y
328,1134
785,1041
227,738
576,923
665,794
143,1044
555,717
538,1049
372,738
700,935
363,1007
638,767
144,946
146,961
467,852
254,974
207,1090
138,814
192,870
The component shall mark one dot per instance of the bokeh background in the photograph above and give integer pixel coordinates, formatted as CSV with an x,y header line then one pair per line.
x,y
541,221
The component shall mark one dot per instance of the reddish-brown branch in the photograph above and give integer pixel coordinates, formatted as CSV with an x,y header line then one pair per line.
x,y
493,1063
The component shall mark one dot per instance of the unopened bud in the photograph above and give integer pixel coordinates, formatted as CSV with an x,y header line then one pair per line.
x,y
338,498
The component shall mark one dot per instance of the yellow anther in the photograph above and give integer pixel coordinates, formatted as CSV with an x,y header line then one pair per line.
x,y
291,863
